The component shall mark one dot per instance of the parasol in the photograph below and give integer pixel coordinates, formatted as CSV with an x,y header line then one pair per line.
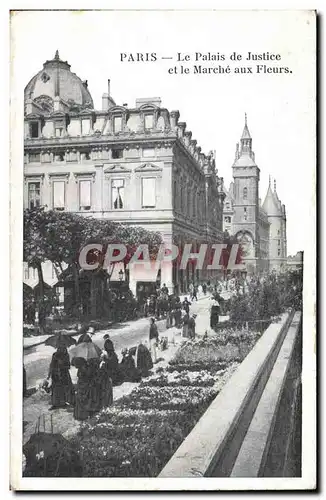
x,y
86,350
84,338
60,340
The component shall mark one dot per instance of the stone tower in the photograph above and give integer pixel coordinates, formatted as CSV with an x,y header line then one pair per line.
x,y
245,223
277,230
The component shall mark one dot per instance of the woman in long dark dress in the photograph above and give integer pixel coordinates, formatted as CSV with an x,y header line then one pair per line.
x,y
94,386
112,362
104,381
144,359
81,411
128,368
62,388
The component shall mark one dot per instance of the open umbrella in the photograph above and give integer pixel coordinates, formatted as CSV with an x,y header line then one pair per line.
x,y
84,338
60,340
86,350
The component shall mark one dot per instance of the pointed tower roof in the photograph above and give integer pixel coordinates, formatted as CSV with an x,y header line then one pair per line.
x,y
271,203
276,197
245,156
246,133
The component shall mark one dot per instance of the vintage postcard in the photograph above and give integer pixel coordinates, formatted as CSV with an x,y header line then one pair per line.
x,y
163,170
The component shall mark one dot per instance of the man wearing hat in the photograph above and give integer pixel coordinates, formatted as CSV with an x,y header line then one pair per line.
x,y
108,344
192,326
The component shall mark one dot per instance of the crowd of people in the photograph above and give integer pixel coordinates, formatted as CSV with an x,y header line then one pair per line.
x,y
97,376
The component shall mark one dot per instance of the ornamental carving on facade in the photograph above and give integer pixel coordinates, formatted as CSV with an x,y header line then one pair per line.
x,y
46,103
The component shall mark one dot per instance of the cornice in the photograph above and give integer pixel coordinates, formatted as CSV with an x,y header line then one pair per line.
x,y
128,140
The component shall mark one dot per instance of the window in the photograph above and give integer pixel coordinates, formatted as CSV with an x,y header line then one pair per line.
x,y
117,190
72,156
34,129
149,121
34,194
278,242
181,200
117,124
279,252
59,157
46,158
58,131
86,155
53,274
227,206
85,195
148,152
117,153
245,193
34,157
148,192
245,213
189,202
58,195
227,219
26,272
175,193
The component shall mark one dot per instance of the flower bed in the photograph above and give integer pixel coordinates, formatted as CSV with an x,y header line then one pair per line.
x,y
139,434
201,378
214,353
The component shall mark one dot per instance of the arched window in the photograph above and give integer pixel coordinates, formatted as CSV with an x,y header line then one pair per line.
x,y
245,193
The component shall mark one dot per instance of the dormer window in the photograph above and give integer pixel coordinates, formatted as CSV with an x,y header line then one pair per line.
x,y
148,152
34,129
117,153
58,131
34,157
149,121
59,157
117,124
85,155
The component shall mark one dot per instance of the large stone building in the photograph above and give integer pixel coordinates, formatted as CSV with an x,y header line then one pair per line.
x,y
261,228
138,165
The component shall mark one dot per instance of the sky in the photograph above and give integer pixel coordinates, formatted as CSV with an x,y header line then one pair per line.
x,y
280,107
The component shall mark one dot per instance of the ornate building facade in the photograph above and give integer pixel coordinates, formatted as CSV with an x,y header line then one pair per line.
x,y
137,166
261,228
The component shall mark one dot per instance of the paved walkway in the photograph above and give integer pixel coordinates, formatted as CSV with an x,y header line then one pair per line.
x,y
37,358
36,407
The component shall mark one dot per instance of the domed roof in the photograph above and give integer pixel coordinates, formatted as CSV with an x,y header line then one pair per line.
x,y
56,79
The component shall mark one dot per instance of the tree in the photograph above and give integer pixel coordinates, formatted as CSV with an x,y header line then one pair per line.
x,y
35,249
60,236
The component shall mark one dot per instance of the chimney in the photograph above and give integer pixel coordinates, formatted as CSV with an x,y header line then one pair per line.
x,y
107,101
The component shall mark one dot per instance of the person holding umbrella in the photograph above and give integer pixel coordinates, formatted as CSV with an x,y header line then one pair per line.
x,y
62,388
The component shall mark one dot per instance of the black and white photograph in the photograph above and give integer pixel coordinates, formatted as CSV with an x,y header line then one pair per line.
x,y
163,213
